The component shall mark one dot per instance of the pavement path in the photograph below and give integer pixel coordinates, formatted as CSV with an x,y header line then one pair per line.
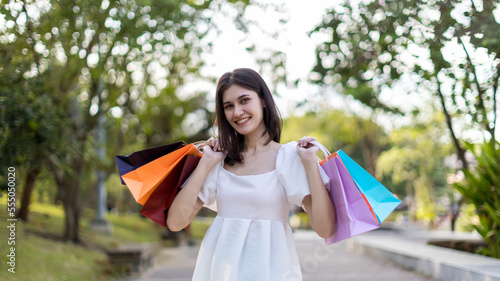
x,y
318,262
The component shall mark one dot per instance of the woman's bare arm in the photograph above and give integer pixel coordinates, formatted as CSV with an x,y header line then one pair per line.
x,y
317,205
186,203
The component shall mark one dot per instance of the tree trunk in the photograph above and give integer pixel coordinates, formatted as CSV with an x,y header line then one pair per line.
x,y
460,151
412,208
370,154
72,221
31,176
370,148
69,189
455,212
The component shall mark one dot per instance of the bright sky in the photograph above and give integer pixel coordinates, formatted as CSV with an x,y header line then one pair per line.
x,y
229,50
230,53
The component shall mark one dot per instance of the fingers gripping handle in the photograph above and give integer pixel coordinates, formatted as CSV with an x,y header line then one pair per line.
x,y
201,144
322,148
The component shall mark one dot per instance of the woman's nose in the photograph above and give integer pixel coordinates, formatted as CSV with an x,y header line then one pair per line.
x,y
238,110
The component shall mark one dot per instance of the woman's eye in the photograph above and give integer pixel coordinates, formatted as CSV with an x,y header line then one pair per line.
x,y
245,100
227,107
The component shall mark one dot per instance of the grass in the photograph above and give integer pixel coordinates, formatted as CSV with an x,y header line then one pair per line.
x,y
42,259
39,258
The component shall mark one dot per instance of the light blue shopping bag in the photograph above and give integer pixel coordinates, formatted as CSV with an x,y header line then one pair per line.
x,y
382,201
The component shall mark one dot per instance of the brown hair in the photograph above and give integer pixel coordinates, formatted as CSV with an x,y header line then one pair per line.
x,y
231,141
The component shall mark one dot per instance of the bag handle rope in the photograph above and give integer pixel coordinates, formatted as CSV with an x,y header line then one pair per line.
x,y
201,144
322,148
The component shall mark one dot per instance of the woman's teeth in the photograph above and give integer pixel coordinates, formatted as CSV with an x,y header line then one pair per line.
x,y
242,120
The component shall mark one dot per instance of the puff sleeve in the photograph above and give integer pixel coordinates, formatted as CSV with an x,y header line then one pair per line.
x,y
209,188
292,174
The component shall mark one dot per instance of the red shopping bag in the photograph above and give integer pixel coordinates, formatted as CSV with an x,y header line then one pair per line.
x,y
155,184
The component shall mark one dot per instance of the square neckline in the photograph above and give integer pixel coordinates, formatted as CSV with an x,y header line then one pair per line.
x,y
261,174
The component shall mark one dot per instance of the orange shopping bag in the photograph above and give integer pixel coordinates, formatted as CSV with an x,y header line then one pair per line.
x,y
143,181
156,207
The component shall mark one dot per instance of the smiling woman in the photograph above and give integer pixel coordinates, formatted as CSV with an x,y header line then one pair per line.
x,y
243,109
254,180
240,95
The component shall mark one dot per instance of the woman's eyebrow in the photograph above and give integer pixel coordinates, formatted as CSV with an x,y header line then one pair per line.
x,y
242,96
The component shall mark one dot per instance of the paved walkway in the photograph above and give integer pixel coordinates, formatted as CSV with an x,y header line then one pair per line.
x,y
318,262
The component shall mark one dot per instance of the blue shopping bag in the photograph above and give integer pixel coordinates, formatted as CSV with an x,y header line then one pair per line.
x,y
382,201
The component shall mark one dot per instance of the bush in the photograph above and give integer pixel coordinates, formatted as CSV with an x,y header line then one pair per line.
x,y
468,217
481,187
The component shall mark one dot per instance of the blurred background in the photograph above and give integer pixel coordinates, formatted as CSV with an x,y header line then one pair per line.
x,y
408,89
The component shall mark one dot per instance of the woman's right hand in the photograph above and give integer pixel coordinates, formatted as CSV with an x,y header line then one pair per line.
x,y
187,202
212,152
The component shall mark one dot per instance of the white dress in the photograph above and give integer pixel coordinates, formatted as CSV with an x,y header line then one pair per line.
x,y
250,238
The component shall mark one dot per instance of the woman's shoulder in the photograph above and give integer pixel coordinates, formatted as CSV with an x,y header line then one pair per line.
x,y
289,147
287,153
214,171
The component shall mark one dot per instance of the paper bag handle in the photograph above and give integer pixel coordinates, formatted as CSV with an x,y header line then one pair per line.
x,y
322,148
200,145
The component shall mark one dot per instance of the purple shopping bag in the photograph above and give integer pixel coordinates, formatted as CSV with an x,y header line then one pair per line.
x,y
354,215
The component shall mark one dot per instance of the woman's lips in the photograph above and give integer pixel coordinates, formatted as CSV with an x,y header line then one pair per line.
x,y
242,121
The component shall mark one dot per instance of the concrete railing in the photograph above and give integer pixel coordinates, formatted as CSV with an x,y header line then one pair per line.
x,y
438,262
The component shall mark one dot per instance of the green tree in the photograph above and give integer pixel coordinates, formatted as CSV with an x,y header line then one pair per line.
x,y
28,124
416,159
104,60
447,48
361,138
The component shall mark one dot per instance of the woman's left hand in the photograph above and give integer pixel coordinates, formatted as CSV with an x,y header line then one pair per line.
x,y
307,152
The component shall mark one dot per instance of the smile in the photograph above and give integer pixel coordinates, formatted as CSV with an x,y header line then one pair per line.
x,y
241,121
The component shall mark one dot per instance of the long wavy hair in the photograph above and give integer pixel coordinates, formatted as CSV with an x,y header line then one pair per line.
x,y
231,141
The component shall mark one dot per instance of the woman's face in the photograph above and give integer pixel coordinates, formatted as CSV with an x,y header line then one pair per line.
x,y
243,110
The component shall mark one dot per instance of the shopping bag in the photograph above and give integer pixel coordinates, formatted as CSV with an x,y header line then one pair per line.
x,y
381,200
128,163
354,215
144,180
353,212
156,207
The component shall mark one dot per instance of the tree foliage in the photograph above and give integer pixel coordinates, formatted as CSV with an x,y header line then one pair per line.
x,y
415,159
29,124
121,62
447,48
361,138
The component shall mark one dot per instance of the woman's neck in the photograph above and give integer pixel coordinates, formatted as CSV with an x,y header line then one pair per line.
x,y
255,142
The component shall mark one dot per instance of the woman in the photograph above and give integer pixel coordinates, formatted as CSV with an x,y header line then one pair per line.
x,y
254,180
